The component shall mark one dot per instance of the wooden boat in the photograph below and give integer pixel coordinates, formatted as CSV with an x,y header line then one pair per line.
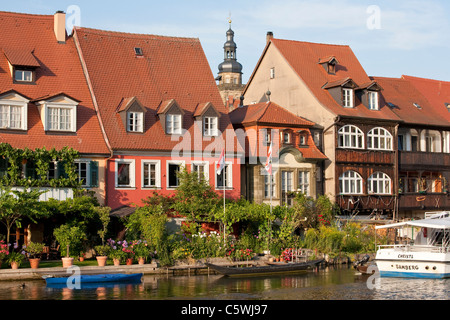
x,y
273,268
363,269
96,278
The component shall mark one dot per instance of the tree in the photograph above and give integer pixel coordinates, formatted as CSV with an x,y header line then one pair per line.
x,y
16,205
103,214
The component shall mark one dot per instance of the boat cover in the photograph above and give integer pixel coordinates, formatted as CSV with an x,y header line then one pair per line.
x,y
443,223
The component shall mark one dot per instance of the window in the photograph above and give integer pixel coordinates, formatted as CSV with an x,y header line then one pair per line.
x,y
269,185
286,137
401,142
202,169
373,100
350,182
60,118
86,170
23,75
173,123
11,117
303,182
151,173
172,173
350,136
272,73
303,139
286,187
225,174
138,51
135,121
347,97
379,183
210,126
267,136
125,174
379,139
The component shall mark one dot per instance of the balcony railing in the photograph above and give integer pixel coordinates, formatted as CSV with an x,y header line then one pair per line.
x,y
365,156
413,160
55,193
421,201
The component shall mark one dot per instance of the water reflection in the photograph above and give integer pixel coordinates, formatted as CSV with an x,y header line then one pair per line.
x,y
323,284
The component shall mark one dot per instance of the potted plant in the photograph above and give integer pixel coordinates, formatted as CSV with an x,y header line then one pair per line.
x,y
129,252
116,253
15,259
141,250
82,256
34,250
70,240
102,254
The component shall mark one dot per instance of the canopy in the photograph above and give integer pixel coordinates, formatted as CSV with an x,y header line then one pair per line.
x,y
443,223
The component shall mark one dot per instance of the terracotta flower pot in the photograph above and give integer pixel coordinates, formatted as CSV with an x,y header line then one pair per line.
x,y
81,259
129,261
141,260
14,265
34,263
116,262
101,260
67,262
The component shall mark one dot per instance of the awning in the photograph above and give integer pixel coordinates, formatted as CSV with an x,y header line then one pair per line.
x,y
424,223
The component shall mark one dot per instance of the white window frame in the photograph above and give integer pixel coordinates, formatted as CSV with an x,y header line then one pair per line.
x,y
373,100
23,77
267,186
347,98
180,163
135,121
377,137
287,185
303,185
132,173
210,126
170,119
157,164
350,182
205,165
272,73
87,181
228,178
380,179
7,123
352,137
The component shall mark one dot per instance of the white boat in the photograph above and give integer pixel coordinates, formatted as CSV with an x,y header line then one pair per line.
x,y
425,252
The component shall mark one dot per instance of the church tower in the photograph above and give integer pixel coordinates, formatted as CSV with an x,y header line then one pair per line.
x,y
230,72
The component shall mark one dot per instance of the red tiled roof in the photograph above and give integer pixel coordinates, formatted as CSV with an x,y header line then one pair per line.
x,y
403,95
20,57
267,112
437,93
170,68
59,71
303,57
271,114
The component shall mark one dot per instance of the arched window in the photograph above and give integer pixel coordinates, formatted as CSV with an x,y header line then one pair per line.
x,y
379,139
379,183
350,182
350,136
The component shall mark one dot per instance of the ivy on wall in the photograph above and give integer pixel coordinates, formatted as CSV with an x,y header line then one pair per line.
x,y
30,168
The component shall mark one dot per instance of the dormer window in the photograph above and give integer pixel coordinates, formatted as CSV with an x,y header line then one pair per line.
x,y
347,97
329,64
135,121
13,111
173,123
133,114
210,127
23,75
373,100
58,113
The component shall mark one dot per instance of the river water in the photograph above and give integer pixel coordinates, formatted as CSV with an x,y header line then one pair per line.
x,y
329,283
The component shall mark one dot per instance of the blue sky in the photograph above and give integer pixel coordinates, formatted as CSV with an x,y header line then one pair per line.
x,y
390,38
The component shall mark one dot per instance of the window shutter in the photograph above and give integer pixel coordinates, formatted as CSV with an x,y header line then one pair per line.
x,y
61,171
93,167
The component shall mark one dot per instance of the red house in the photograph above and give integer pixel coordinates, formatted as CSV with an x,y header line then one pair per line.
x,y
160,109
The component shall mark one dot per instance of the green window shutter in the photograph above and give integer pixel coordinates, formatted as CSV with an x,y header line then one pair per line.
x,y
93,167
3,167
30,170
61,171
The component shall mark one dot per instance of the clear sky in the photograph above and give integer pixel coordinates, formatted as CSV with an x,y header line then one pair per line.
x,y
390,38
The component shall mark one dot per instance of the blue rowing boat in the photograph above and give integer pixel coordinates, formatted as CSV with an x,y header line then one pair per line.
x,y
96,278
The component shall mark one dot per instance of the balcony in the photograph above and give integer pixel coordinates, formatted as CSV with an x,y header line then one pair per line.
x,y
365,156
365,202
413,160
424,201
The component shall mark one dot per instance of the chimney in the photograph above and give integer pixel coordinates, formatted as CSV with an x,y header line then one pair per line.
x,y
269,36
59,26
